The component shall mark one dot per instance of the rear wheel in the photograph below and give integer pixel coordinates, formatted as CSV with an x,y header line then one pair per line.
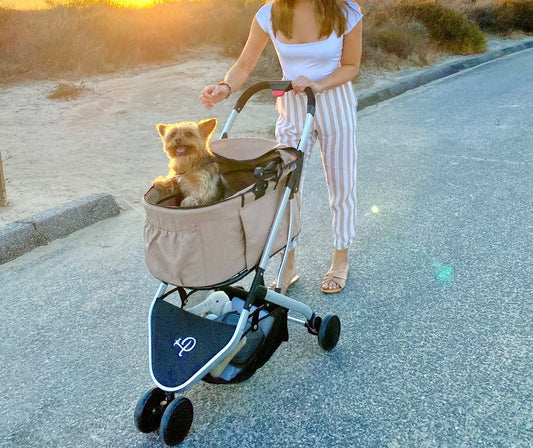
x,y
329,332
176,421
149,410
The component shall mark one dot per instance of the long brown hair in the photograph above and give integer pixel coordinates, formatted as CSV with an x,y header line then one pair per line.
x,y
328,13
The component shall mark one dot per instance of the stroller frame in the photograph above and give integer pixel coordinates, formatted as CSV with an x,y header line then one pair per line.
x,y
159,407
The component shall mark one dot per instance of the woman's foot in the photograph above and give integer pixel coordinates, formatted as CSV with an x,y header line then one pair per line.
x,y
334,280
290,274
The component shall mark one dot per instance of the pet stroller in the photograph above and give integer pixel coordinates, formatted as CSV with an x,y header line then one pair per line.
x,y
234,331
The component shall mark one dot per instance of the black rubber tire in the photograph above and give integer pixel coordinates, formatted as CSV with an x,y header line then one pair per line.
x,y
149,410
329,332
176,421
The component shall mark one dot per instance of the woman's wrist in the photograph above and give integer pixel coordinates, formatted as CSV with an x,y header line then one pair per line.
x,y
224,83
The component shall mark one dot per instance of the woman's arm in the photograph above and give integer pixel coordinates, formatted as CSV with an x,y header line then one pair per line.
x,y
348,69
239,72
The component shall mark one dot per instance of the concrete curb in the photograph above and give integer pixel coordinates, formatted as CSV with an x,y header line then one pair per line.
x,y
375,96
22,236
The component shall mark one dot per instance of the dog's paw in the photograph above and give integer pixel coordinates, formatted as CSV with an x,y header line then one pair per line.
x,y
189,201
164,184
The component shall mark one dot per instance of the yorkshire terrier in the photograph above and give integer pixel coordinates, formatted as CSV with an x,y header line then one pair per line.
x,y
194,172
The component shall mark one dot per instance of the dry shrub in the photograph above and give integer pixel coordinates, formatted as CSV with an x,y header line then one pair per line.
x,y
505,16
228,25
392,43
448,28
67,91
94,36
391,39
87,37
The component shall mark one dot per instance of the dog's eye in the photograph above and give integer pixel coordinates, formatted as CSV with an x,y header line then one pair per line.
x,y
188,134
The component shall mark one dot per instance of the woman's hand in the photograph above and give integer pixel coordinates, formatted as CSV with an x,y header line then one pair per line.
x,y
238,73
300,83
214,94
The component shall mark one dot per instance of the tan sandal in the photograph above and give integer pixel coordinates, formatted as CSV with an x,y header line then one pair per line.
x,y
284,286
338,276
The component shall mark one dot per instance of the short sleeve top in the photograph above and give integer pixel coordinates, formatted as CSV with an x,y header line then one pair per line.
x,y
314,59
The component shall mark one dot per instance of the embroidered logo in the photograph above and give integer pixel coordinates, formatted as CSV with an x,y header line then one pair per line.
x,y
186,345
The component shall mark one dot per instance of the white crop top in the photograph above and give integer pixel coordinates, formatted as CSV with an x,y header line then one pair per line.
x,y
314,59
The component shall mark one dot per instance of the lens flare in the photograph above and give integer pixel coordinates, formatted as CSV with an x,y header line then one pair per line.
x,y
444,273
374,209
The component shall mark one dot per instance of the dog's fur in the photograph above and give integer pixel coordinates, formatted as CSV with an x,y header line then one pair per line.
x,y
194,172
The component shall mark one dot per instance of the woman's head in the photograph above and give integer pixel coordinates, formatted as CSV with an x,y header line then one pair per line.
x,y
328,13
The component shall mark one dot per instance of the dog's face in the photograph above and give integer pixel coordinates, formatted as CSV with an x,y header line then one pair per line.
x,y
187,141
194,174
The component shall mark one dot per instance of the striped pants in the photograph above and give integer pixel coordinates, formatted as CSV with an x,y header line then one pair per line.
x,y
334,127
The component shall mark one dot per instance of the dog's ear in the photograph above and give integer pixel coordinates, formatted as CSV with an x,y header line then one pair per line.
x,y
206,127
161,128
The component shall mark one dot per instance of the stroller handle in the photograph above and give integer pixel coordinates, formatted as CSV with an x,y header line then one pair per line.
x,y
278,88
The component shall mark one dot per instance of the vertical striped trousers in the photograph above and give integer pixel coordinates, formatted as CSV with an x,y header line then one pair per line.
x,y
334,127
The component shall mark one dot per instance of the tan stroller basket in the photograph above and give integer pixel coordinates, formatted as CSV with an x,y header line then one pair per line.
x,y
206,246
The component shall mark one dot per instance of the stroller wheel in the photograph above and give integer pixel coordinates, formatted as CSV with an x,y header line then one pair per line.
x,y
329,332
149,410
176,421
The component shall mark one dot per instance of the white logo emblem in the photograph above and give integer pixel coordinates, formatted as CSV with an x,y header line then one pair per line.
x,y
186,345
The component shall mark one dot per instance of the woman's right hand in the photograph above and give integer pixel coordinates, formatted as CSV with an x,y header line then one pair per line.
x,y
214,94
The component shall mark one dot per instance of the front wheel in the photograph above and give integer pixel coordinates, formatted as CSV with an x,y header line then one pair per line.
x,y
329,332
149,410
176,421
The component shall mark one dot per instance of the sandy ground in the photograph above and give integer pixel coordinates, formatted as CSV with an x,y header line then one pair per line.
x,y
56,151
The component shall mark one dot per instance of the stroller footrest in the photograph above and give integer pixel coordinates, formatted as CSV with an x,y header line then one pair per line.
x,y
181,343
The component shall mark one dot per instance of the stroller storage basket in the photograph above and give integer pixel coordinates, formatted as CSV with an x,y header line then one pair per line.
x,y
256,352
205,246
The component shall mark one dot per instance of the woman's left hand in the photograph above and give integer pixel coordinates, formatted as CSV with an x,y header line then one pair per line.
x,y
300,83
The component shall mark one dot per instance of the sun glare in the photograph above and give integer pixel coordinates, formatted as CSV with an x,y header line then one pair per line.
x,y
42,4
136,3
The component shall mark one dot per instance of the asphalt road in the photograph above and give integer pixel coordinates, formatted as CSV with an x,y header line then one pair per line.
x,y
436,347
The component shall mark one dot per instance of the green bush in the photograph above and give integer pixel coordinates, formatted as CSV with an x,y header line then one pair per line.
x,y
449,29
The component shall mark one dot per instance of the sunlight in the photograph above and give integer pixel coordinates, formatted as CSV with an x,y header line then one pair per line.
x,y
136,3
24,4
43,4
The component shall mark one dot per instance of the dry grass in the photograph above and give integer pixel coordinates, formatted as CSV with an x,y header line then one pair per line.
x,y
504,17
95,38
87,37
67,91
448,29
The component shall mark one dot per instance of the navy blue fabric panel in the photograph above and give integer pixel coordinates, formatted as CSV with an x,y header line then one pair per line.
x,y
182,343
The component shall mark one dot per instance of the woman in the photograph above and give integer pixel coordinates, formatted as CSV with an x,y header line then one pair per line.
x,y
318,43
